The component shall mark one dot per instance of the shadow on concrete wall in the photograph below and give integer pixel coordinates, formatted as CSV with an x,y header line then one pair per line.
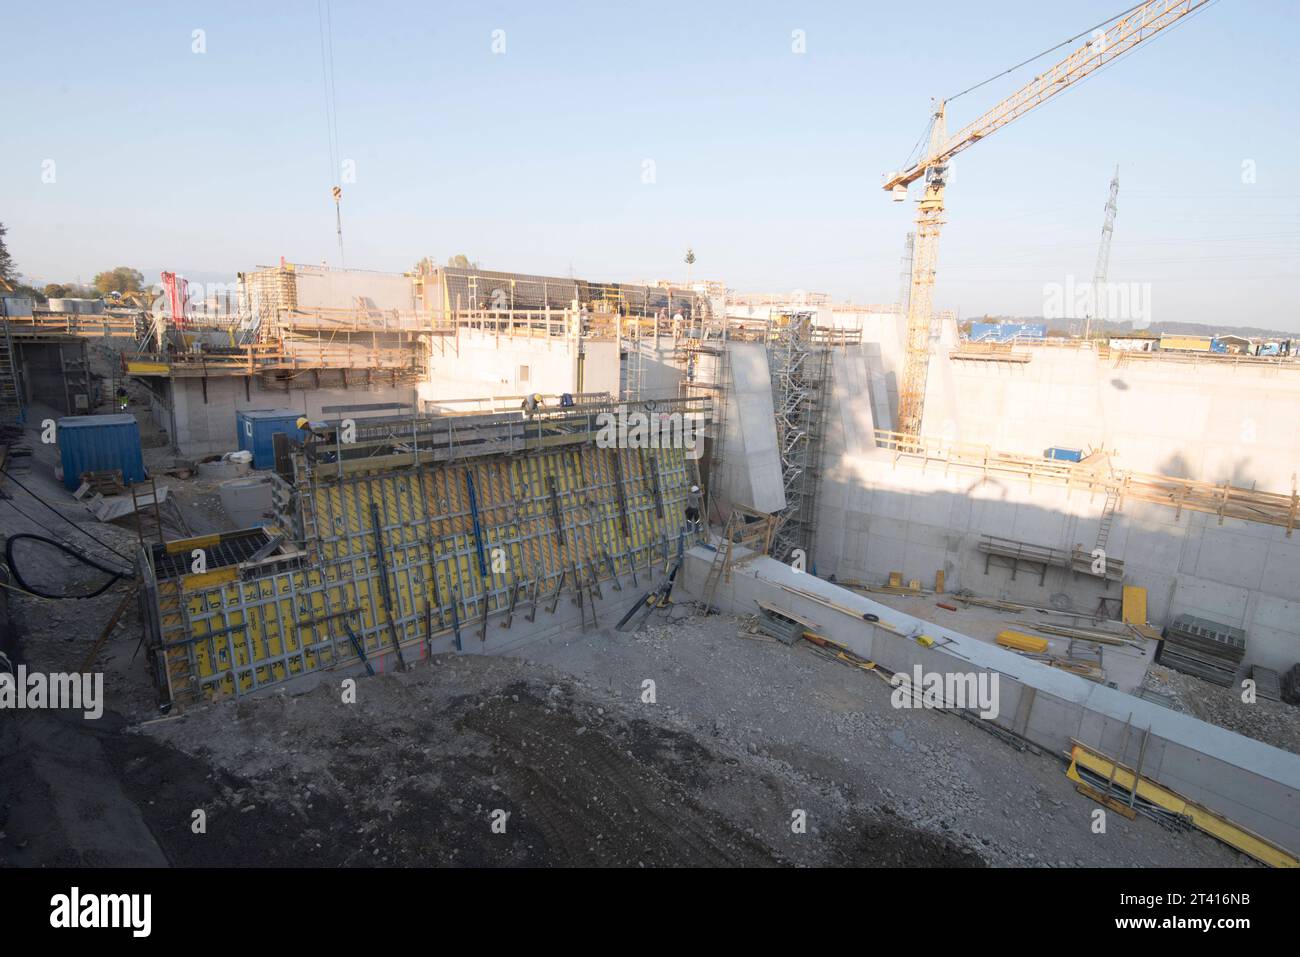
x,y
1189,565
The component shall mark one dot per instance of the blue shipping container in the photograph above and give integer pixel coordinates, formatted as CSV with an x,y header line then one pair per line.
x,y
94,443
256,428
1064,455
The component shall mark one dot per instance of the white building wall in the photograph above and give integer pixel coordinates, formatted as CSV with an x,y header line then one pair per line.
x,y
485,365
1213,422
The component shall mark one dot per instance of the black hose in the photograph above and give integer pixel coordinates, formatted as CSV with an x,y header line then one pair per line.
x,y
79,556
60,515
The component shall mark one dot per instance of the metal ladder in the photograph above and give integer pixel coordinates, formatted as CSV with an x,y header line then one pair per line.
x,y
144,498
11,400
76,381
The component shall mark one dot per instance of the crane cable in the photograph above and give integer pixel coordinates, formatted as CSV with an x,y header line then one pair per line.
x,y
916,150
1038,56
326,23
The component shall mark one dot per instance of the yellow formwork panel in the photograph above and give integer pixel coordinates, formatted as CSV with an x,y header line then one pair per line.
x,y
1134,605
1019,641
224,637
1209,821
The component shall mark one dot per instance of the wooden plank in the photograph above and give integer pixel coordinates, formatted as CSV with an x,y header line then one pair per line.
x,y
1134,605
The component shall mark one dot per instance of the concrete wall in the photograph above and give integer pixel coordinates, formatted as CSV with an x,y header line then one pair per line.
x,y
486,365
41,366
352,288
661,374
1214,422
878,517
1255,785
200,427
751,471
849,432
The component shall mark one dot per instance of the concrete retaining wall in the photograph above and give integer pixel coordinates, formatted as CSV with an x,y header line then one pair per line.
x,y
1212,422
1255,785
205,427
484,365
751,473
902,518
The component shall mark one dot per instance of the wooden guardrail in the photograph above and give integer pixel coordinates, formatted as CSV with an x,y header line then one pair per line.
x,y
1094,474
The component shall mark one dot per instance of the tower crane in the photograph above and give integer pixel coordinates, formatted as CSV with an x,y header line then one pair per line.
x,y
1103,256
1119,36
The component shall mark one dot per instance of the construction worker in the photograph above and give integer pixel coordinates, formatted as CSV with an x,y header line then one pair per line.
x,y
693,509
121,398
532,404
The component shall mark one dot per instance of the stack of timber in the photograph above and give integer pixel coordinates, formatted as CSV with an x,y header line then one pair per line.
x,y
1291,686
1268,683
1203,648
1099,635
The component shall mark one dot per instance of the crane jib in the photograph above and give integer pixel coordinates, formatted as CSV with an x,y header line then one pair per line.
x,y
1104,47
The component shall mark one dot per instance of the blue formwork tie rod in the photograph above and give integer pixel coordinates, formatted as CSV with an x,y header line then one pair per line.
x,y
478,530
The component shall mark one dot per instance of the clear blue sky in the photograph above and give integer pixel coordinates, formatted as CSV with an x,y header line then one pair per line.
x,y
768,163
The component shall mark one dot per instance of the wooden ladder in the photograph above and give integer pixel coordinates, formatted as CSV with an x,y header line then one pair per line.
x,y
721,564
11,401
1107,518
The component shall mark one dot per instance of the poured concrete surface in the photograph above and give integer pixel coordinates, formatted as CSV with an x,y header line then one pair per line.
x,y
1125,666
752,464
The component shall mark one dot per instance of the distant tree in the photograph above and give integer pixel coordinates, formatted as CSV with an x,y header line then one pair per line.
x,y
7,271
69,290
461,261
30,292
121,279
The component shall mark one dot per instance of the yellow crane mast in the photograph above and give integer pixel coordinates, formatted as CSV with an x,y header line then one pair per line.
x,y
1106,45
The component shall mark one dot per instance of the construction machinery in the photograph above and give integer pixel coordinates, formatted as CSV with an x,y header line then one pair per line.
x,y
1105,45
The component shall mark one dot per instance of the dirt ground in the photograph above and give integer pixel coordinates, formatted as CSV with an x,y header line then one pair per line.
x,y
811,719
413,772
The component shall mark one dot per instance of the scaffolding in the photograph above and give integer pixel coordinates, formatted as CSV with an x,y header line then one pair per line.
x,y
706,373
800,370
630,348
